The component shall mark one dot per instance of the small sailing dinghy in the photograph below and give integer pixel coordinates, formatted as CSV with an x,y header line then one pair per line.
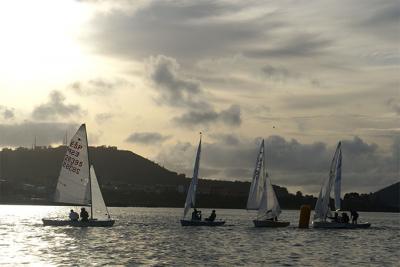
x,y
191,197
77,185
262,196
322,210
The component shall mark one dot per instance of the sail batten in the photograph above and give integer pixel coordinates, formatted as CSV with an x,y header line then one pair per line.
x,y
191,194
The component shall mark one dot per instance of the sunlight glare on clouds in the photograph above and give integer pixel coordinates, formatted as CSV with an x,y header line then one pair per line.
x,y
38,42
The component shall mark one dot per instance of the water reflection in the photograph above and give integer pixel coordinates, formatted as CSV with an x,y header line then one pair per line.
x,y
151,236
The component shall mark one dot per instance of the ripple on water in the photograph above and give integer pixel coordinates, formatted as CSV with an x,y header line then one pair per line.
x,y
154,237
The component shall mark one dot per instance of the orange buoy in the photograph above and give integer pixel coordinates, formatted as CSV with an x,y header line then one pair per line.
x,y
305,211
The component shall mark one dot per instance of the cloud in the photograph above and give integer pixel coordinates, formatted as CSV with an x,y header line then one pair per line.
x,y
304,45
96,86
289,162
394,104
103,117
7,113
229,117
174,89
56,107
147,138
183,30
23,134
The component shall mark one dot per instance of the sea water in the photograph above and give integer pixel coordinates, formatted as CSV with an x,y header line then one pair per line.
x,y
154,237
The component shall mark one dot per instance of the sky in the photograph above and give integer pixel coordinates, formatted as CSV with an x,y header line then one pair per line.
x,y
148,76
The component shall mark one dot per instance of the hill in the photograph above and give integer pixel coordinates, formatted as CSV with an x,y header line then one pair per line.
x,y
127,179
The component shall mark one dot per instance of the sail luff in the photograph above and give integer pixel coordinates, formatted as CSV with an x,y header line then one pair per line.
x,y
90,180
191,194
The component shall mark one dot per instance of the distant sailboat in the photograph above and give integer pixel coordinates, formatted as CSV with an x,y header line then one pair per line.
x,y
77,185
191,197
262,196
322,210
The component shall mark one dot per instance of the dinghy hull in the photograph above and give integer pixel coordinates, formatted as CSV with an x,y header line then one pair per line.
x,y
201,223
90,223
335,225
267,223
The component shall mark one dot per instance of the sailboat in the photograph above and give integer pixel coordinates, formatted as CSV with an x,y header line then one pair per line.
x,y
78,185
262,196
191,197
322,210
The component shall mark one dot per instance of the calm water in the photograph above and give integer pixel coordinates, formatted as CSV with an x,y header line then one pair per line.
x,y
153,236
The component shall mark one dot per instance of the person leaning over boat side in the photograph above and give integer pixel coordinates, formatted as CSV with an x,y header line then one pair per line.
x,y
73,216
196,215
212,217
354,216
84,215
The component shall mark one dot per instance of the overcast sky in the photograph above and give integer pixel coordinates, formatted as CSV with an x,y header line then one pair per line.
x,y
148,76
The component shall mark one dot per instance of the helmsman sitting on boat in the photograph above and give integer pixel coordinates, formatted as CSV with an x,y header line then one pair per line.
x,y
212,217
73,216
84,215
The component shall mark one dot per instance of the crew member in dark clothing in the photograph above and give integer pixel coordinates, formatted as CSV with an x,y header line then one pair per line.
x,y
354,216
345,217
196,215
84,215
336,217
212,216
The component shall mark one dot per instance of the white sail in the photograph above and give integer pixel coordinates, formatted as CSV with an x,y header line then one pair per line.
x,y
99,208
191,194
72,186
258,183
269,206
322,209
338,179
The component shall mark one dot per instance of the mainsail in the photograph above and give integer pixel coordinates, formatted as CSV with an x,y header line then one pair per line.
x,y
257,184
73,181
322,209
191,194
262,196
99,208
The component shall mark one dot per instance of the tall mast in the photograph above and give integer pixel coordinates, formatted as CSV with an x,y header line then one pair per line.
x,y
90,178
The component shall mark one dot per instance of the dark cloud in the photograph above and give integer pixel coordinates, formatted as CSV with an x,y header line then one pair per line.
x,y
147,138
23,134
230,117
289,162
175,89
7,113
181,29
56,108
96,87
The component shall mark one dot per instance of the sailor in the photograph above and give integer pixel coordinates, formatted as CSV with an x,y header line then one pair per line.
x,y
73,216
212,216
335,218
196,215
354,216
345,217
84,215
